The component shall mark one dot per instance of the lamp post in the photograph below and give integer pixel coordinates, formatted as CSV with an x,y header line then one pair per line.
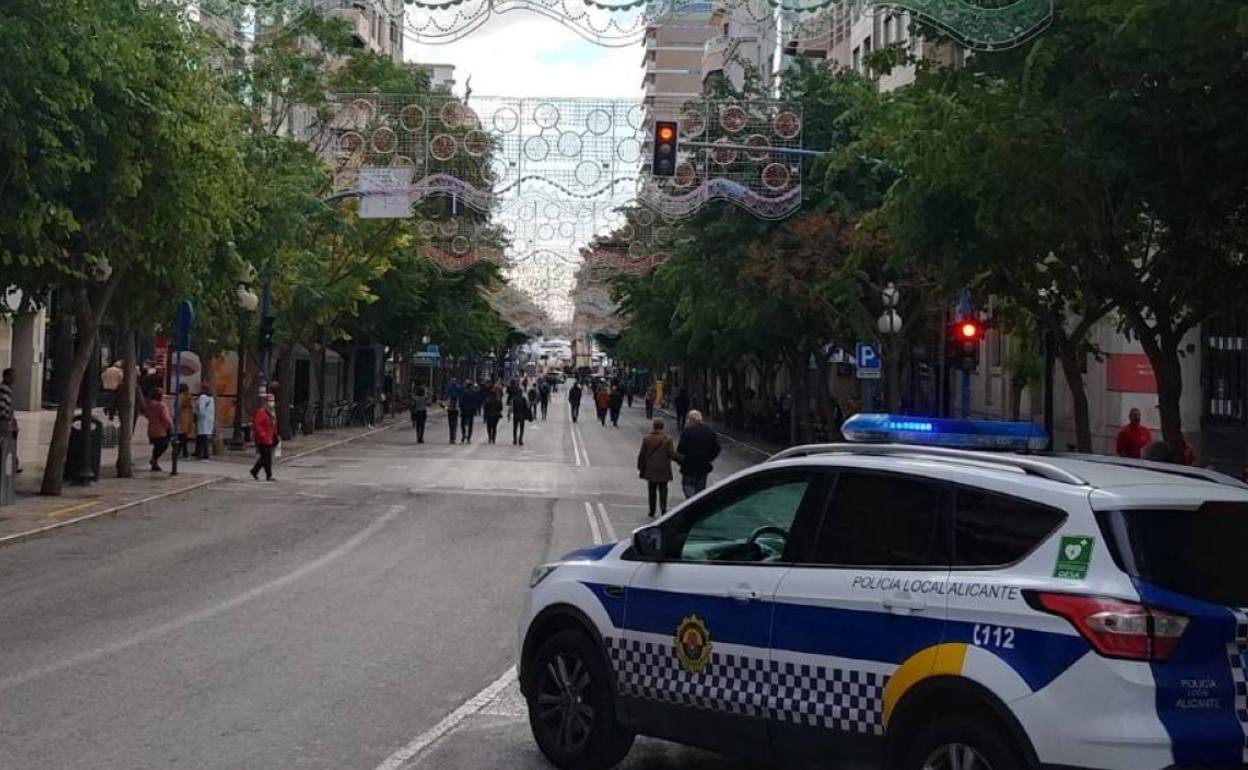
x,y
247,303
84,474
890,325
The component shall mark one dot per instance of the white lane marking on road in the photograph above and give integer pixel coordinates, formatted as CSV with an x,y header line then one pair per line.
x,y
452,720
606,523
593,524
576,450
208,612
584,447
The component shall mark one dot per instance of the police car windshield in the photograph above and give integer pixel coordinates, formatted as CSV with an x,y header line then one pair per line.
x,y
1196,553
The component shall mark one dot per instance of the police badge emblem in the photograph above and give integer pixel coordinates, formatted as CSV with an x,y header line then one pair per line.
x,y
693,644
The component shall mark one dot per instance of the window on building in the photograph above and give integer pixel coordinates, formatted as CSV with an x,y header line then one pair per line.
x,y
890,26
1225,363
726,31
857,60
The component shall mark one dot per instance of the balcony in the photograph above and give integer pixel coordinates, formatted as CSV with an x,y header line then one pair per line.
x,y
718,52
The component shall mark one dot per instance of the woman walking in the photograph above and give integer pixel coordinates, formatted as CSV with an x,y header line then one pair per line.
x,y
602,400
264,428
654,463
492,410
159,425
420,413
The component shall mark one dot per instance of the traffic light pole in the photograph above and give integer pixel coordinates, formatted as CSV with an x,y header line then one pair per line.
x,y
964,310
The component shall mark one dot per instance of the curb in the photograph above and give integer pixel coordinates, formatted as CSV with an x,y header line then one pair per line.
x,y
31,534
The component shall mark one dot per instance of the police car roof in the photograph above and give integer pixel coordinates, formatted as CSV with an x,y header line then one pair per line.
x,y
1126,478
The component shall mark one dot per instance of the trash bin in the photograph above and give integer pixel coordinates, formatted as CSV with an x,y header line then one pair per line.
x,y
8,464
74,458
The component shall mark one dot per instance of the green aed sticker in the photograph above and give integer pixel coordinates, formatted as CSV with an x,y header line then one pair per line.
x,y
1074,554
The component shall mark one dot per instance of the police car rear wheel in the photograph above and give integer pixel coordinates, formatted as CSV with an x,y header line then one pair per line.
x,y
571,705
962,743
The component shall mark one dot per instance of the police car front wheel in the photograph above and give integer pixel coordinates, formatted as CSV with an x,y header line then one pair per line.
x,y
572,707
962,743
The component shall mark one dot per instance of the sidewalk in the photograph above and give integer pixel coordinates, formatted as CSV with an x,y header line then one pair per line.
x,y
33,514
755,446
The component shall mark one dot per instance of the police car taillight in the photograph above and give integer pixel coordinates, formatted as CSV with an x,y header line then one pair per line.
x,y
1116,628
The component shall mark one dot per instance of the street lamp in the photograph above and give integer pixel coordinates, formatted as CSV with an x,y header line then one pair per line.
x,y
889,325
247,304
85,473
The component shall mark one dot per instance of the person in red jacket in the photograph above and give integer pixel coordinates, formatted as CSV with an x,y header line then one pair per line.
x,y
1133,437
264,429
159,424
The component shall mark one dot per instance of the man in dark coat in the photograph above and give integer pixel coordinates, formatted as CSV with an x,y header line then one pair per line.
x,y
699,446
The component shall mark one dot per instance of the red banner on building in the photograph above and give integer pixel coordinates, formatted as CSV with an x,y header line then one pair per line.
x,y
1130,373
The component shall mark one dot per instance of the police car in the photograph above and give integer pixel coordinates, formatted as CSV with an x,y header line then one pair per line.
x,y
913,605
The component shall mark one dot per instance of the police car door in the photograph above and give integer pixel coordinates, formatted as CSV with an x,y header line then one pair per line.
x,y
693,665
863,616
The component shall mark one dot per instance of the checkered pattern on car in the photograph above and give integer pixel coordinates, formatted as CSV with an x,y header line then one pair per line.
x,y
1236,653
815,696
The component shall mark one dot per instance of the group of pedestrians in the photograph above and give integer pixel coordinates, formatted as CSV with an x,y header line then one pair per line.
x,y
694,454
521,400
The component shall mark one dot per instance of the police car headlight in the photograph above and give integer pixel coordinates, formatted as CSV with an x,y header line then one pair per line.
x,y
541,573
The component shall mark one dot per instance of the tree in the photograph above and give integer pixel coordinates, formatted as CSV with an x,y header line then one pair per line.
x,y
130,165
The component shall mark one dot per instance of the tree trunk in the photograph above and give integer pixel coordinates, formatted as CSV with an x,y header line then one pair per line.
x,y
286,382
1069,358
84,347
1169,396
126,398
1017,386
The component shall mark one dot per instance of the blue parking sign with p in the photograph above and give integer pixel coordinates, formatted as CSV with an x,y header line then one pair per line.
x,y
868,360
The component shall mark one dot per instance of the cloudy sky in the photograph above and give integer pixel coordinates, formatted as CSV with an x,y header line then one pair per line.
x,y
522,54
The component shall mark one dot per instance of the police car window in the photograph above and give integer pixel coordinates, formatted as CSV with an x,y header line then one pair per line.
x,y
753,527
883,520
995,530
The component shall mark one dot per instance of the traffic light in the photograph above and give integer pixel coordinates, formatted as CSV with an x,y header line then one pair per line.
x,y
665,134
962,349
266,332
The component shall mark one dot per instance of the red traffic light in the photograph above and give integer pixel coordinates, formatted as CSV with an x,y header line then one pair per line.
x,y
969,330
665,140
666,132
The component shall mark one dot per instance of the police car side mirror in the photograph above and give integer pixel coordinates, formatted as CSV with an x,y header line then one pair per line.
x,y
648,543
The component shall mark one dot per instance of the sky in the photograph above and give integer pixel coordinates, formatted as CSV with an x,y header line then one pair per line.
x,y
522,54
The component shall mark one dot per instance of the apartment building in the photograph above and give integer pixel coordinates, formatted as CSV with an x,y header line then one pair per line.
x,y
441,76
672,61
745,43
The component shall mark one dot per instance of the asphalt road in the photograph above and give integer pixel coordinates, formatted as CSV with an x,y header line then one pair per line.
x,y
360,612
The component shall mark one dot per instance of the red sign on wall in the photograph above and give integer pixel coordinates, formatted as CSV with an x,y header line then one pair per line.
x,y
1130,373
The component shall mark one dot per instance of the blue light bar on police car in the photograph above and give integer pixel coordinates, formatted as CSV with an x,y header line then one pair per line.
x,y
933,431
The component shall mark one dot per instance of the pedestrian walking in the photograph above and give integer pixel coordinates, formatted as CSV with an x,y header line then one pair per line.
x,y
452,417
533,398
698,448
454,390
602,400
652,395
186,421
492,410
111,379
205,421
681,405
628,393
8,417
159,425
615,404
468,406
654,463
420,413
574,399
520,414
543,397
264,429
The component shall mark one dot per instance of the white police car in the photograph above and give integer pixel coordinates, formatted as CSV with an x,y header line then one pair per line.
x,y
925,607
